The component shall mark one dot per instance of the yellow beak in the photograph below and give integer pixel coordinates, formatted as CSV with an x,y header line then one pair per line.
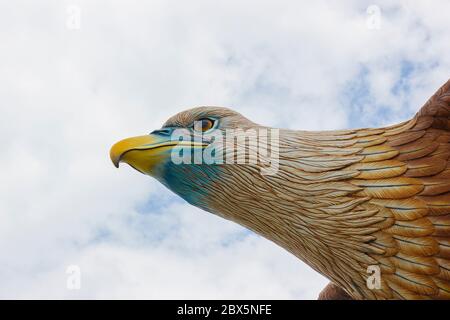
x,y
141,152
119,149
144,152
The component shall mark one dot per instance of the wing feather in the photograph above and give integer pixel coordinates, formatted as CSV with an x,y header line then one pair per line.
x,y
405,171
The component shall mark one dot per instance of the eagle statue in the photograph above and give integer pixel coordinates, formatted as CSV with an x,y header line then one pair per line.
x,y
369,209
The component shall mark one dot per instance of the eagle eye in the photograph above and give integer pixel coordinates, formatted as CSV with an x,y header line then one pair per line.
x,y
203,125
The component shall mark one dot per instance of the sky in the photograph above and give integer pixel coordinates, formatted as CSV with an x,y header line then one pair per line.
x,y
77,76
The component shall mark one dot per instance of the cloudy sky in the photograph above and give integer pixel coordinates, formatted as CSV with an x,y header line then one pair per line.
x,y
76,76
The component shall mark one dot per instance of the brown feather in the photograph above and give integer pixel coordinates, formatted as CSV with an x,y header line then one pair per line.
x,y
417,228
444,265
370,141
391,188
379,170
378,153
441,225
425,167
413,282
444,247
404,209
404,138
416,149
438,205
434,186
417,246
416,264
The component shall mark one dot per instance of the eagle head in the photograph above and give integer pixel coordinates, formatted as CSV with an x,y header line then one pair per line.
x,y
169,154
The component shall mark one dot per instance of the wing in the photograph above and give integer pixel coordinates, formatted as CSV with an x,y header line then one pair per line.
x,y
405,172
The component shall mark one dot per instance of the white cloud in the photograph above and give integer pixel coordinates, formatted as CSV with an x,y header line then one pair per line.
x,y
67,95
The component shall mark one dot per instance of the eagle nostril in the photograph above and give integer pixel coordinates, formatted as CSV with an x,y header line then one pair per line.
x,y
163,132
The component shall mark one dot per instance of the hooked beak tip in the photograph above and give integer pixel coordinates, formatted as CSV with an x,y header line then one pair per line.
x,y
115,156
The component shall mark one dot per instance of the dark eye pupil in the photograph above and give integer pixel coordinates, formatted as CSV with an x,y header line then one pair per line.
x,y
203,125
206,124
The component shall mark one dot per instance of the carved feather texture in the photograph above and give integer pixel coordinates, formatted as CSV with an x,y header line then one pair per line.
x,y
345,200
